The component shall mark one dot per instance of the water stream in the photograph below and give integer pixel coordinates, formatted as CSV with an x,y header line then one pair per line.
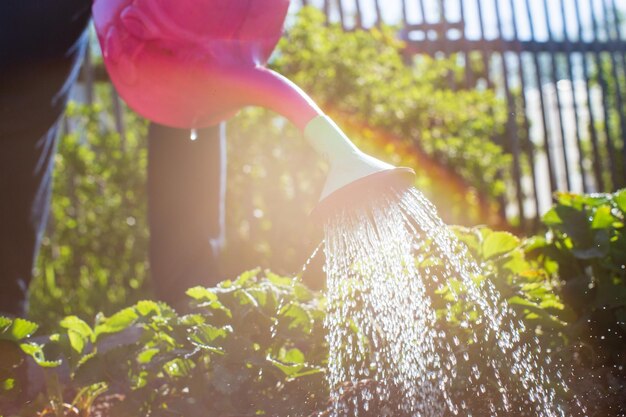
x,y
383,327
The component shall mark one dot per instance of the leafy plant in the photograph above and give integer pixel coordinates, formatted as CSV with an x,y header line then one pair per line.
x,y
94,255
15,350
586,247
525,289
249,346
519,279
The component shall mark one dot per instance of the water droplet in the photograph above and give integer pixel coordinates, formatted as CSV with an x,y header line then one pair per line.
x,y
193,134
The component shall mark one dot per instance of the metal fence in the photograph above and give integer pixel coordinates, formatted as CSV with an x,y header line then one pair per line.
x,y
559,65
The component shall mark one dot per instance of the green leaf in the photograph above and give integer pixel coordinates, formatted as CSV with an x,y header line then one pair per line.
x,y
289,369
246,277
175,368
620,199
603,218
259,295
551,218
201,294
77,341
293,356
517,300
192,320
598,249
147,307
471,237
497,243
78,326
246,297
531,307
301,319
574,223
207,298
210,333
146,356
278,280
291,362
5,322
195,340
35,351
20,329
117,322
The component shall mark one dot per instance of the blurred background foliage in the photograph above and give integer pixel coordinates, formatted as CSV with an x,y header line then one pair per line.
x,y
364,77
94,254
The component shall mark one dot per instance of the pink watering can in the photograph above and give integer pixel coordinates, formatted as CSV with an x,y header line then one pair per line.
x,y
194,63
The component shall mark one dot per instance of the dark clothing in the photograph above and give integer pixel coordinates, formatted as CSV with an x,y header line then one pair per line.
x,y
41,46
42,43
25,185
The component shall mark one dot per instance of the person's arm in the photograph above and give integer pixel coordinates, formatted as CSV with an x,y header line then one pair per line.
x,y
41,47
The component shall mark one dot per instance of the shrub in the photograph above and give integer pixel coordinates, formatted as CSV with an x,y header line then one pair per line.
x,y
586,248
94,254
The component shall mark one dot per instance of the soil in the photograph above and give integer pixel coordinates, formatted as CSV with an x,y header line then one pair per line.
x,y
104,404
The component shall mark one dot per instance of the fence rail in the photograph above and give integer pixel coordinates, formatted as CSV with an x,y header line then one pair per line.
x,y
560,66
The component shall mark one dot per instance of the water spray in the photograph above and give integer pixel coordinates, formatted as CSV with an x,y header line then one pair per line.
x,y
194,63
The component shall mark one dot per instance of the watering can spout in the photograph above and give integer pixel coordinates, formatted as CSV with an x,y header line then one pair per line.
x,y
354,176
